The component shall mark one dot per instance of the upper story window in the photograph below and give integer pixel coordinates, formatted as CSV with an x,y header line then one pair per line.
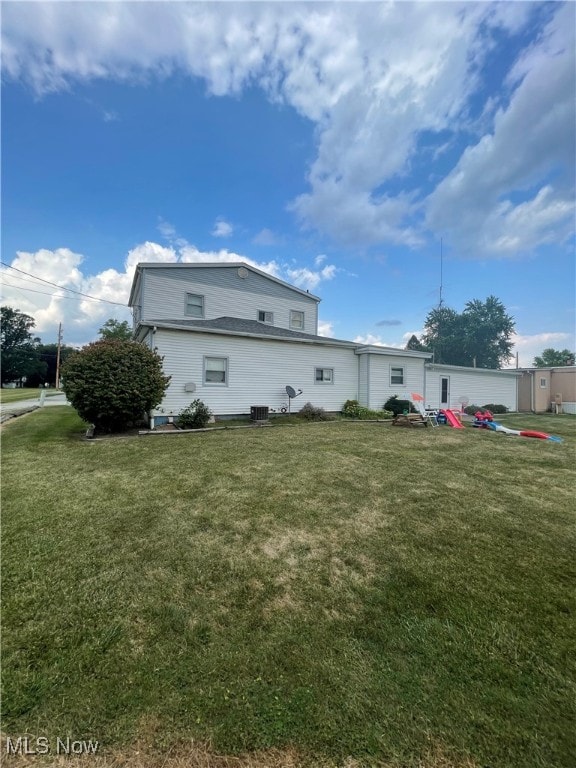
x,y
216,370
397,376
194,305
265,317
543,383
324,375
296,320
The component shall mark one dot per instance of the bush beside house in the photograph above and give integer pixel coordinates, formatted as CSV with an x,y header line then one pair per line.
x,y
114,384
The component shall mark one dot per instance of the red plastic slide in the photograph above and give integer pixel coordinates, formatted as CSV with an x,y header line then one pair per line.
x,y
451,419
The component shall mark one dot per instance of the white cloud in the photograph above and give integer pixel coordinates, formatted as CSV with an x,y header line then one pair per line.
x,y
50,305
500,200
347,67
326,328
222,228
267,237
370,338
308,278
529,346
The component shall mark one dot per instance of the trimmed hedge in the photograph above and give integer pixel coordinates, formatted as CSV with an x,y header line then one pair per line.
x,y
114,384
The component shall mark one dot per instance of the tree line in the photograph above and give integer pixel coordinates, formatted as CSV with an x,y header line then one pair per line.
x,y
25,358
480,337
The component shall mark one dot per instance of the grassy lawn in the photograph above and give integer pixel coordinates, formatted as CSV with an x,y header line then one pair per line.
x,y
340,594
25,393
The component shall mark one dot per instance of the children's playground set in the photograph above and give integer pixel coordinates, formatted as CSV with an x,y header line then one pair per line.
x,y
483,419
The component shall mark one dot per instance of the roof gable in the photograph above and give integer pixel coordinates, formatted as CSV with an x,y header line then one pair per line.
x,y
242,269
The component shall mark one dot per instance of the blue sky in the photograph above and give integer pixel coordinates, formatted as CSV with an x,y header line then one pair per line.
x,y
332,145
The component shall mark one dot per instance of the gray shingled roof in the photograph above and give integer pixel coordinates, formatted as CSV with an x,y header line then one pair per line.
x,y
239,325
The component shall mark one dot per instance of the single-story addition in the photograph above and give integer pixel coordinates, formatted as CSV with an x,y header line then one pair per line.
x,y
234,337
541,389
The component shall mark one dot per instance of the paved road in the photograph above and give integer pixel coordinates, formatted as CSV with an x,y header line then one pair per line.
x,y
26,405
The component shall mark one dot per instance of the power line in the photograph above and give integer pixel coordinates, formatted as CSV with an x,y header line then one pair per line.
x,y
72,298
61,287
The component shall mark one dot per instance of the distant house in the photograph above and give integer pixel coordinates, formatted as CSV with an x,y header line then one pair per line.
x,y
539,389
235,337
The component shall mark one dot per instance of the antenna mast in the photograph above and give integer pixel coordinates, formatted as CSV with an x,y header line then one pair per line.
x,y
441,273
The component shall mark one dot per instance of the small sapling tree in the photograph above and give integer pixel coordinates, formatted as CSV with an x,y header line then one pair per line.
x,y
113,384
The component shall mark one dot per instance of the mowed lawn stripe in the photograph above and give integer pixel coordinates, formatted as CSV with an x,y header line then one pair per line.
x,y
343,589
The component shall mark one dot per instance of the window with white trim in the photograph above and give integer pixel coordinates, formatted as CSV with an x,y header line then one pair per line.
x,y
324,375
216,370
543,383
194,305
296,319
265,317
396,376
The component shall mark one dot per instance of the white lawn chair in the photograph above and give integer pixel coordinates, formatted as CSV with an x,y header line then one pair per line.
x,y
428,415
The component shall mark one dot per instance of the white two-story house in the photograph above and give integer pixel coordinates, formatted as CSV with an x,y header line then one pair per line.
x,y
234,337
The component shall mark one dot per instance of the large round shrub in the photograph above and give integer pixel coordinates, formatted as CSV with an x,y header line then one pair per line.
x,y
113,384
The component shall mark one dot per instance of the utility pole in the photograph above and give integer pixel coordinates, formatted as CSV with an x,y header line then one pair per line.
x,y
58,356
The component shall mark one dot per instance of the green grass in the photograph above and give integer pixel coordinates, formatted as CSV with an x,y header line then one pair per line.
x,y
25,393
344,589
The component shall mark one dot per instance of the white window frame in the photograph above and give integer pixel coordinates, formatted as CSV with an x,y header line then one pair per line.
x,y
323,381
392,374
264,312
196,296
543,382
206,369
294,324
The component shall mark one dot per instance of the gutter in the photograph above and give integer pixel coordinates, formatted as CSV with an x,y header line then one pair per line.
x,y
247,334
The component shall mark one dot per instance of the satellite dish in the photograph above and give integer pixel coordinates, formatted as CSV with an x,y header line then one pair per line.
x,y
290,391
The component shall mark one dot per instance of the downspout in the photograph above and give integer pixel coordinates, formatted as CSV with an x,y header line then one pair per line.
x,y
368,382
153,331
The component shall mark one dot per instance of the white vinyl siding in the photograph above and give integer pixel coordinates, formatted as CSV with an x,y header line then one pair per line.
x,y
324,375
363,379
479,386
225,295
194,305
258,372
296,320
376,369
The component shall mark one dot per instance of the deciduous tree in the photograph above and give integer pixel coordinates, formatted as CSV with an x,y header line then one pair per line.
x,y
554,357
20,356
480,336
114,329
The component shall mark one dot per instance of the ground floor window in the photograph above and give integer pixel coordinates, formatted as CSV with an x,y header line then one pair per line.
x,y
324,375
396,375
215,370
543,383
